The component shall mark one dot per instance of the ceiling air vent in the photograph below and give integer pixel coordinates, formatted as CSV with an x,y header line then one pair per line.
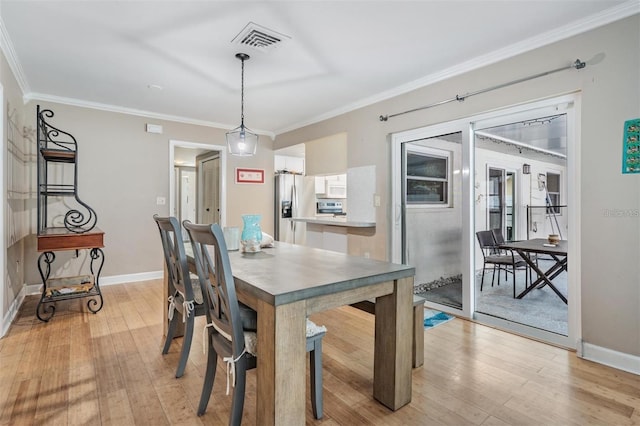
x,y
260,38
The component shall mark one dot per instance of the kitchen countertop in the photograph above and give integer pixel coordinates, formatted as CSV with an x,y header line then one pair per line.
x,y
335,221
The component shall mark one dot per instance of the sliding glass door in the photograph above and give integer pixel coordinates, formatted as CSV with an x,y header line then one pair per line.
x,y
432,216
512,173
514,155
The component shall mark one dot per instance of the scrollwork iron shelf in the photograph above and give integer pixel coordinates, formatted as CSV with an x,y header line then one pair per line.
x,y
58,146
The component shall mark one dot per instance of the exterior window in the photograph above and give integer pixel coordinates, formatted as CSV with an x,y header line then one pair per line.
x,y
553,193
427,177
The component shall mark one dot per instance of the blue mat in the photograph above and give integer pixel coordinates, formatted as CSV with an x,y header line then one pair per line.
x,y
433,318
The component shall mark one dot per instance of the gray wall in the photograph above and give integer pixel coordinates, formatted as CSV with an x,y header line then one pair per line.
x,y
122,169
16,155
610,89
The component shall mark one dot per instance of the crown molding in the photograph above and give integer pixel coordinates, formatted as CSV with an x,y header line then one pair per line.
x,y
624,10
132,111
10,54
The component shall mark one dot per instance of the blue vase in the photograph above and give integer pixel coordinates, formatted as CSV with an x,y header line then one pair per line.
x,y
251,233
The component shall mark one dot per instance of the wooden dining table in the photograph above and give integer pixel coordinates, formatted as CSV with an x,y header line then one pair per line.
x,y
287,283
558,252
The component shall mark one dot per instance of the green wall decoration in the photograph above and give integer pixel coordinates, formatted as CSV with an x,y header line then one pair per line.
x,y
631,146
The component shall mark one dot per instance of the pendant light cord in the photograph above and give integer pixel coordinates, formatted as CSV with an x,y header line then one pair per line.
x,y
242,95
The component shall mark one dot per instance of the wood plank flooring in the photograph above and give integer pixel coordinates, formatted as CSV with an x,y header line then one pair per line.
x,y
107,369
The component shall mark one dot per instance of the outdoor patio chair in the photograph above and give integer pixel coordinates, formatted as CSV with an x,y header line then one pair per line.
x,y
499,239
499,259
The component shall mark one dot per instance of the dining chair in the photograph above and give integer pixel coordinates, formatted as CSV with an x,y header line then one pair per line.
x,y
492,255
499,239
232,325
185,296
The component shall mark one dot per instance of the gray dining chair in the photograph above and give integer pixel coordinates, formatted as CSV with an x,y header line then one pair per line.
x,y
499,239
232,325
499,259
185,295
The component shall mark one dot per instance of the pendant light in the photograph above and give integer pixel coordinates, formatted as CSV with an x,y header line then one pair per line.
x,y
241,141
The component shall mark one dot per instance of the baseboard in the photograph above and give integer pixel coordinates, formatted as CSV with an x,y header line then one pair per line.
x,y
13,311
615,359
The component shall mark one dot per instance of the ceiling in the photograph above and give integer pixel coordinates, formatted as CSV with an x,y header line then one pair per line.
x,y
176,59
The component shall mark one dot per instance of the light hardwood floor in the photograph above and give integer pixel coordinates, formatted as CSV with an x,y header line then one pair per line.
x,y
107,368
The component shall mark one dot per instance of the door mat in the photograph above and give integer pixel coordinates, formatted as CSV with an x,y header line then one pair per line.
x,y
434,318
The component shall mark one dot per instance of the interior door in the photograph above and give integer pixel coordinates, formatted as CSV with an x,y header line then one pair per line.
x,y
209,170
185,205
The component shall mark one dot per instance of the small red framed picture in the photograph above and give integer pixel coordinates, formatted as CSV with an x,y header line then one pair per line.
x,y
249,175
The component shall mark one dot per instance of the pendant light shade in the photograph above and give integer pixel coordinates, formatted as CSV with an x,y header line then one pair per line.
x,y
242,141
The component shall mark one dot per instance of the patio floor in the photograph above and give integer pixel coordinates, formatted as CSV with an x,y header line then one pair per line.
x,y
541,308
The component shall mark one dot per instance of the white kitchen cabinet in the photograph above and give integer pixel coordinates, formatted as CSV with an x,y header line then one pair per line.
x,y
320,185
327,237
288,163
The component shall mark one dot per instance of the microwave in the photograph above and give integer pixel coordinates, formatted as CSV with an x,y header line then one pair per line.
x,y
336,190
331,187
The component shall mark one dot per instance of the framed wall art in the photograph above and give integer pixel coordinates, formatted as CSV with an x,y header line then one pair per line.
x,y
244,175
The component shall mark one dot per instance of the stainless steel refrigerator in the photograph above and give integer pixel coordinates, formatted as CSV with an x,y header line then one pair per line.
x,y
289,197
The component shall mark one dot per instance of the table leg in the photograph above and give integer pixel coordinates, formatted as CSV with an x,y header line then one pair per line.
x,y
392,354
545,277
281,372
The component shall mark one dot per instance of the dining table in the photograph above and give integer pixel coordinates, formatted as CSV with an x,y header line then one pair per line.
x,y
285,284
557,251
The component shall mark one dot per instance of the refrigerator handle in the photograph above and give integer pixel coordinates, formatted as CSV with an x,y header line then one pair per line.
x,y
294,200
294,209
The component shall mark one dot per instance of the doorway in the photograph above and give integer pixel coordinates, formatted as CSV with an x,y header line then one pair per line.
x,y
198,181
503,185
501,193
